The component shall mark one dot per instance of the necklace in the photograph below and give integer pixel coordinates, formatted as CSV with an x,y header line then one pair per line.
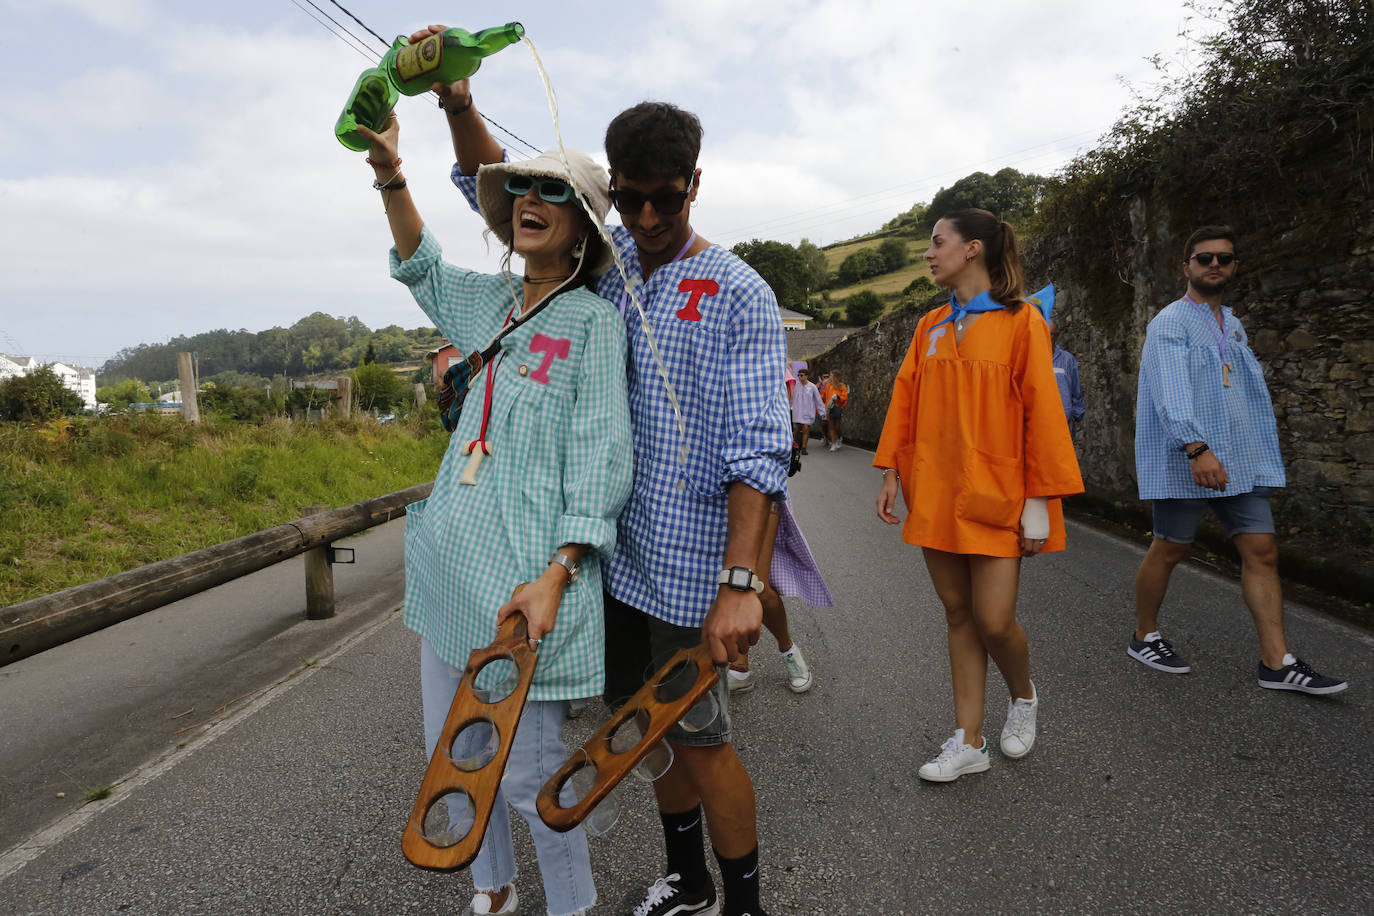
x,y
528,279
1219,323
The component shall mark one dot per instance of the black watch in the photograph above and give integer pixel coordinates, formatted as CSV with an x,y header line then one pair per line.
x,y
741,579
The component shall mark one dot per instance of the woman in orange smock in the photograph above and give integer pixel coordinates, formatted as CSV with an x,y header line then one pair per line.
x,y
976,443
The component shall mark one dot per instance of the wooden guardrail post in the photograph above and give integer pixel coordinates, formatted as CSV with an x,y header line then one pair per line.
x,y
41,623
319,574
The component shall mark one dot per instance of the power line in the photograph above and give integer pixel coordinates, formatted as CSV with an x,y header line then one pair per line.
x,y
374,57
361,23
370,56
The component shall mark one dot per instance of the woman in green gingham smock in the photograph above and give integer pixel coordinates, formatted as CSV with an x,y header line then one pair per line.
x,y
549,417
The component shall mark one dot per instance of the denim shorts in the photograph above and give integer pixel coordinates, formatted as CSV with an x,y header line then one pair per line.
x,y
637,645
1245,513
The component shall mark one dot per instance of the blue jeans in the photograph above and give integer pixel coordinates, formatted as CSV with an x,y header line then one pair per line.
x,y
538,752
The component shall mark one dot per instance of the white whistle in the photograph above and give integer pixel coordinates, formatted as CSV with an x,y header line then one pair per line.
x,y
477,449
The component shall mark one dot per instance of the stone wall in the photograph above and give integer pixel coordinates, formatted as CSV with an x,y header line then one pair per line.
x,y
1305,292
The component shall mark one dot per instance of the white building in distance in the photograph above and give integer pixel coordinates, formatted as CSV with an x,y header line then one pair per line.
x,y
75,378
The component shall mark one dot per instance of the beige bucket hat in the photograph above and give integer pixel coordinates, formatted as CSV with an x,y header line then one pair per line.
x,y
588,179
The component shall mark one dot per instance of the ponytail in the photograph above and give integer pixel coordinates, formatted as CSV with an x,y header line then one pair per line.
x,y
999,253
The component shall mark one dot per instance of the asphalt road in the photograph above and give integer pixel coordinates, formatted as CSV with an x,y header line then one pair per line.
x,y
1145,793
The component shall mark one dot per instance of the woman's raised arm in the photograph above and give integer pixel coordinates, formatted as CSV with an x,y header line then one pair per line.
x,y
400,209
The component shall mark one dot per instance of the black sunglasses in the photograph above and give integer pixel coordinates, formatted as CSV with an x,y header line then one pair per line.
x,y
1205,258
665,203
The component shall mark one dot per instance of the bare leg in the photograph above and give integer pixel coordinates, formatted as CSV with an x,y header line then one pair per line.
x,y
774,614
968,661
995,581
1259,583
1152,582
715,778
775,618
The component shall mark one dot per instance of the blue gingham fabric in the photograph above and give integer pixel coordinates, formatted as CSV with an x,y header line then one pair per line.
x,y
1180,399
720,334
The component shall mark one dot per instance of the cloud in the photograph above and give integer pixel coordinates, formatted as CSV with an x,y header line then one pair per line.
x,y
174,172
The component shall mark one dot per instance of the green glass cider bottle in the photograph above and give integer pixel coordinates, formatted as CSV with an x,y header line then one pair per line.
x,y
407,69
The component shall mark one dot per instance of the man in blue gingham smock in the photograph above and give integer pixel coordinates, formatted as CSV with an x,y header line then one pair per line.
x,y
700,500
1206,438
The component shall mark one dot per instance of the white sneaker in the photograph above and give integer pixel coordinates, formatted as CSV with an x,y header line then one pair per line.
x,y
481,905
798,671
955,759
834,446
739,681
1018,735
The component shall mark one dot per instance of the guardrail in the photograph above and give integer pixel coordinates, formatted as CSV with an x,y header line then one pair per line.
x,y
33,626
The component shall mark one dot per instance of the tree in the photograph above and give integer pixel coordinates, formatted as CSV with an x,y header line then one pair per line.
x,y
817,266
861,265
370,355
863,307
121,394
376,387
921,288
1009,195
236,402
893,252
910,219
782,267
38,397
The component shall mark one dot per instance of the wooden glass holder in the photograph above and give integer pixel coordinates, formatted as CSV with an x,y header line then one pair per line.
x,y
480,785
611,767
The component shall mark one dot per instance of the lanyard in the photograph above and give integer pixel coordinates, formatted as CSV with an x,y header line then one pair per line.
x,y
478,448
1218,327
625,293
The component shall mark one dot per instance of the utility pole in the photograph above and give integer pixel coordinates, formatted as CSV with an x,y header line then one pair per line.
x,y
190,408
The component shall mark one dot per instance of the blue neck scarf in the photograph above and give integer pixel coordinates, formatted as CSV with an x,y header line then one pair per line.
x,y
979,303
1042,299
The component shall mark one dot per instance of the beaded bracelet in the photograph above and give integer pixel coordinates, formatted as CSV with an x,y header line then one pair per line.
x,y
384,165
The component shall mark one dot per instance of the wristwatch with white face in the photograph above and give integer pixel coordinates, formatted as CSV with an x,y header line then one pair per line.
x,y
740,578
568,563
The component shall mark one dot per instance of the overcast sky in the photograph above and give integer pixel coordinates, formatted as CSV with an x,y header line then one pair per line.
x,y
168,168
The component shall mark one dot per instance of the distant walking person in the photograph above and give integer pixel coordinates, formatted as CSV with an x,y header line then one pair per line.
x,y
1066,375
1205,437
806,404
835,394
976,442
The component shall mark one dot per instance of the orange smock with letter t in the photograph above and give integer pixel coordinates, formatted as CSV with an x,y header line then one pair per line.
x,y
975,428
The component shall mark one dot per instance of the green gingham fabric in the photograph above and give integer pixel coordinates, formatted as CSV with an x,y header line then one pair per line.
x,y
559,471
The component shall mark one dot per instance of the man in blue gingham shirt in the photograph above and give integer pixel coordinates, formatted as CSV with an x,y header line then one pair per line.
x,y
1205,437
682,573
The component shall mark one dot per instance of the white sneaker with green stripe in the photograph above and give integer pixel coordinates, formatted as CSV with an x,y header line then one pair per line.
x,y
955,759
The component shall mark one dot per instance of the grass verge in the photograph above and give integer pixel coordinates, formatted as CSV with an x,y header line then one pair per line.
x,y
89,498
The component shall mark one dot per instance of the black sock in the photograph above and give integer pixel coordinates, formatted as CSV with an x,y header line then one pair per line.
x,y
741,879
682,837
